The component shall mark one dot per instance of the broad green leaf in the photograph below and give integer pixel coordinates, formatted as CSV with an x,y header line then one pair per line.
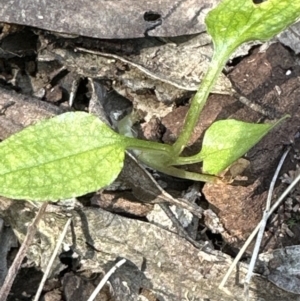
x,y
227,140
69,155
234,22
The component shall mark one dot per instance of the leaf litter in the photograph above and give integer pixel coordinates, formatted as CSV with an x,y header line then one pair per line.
x,y
256,88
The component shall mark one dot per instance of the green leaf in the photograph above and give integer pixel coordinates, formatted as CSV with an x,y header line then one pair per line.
x,y
69,155
227,140
234,22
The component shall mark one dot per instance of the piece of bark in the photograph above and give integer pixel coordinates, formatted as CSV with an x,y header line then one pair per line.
x,y
162,262
110,19
262,78
121,202
291,37
7,241
78,288
283,265
18,111
181,64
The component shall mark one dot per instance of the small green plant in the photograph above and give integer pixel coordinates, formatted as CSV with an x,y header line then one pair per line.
x,y
294,220
75,153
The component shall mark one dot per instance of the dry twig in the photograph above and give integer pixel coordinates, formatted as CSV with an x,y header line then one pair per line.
x,y
105,278
13,270
54,254
251,237
262,226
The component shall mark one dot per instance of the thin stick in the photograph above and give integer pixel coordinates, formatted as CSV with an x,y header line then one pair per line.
x,y
13,270
262,226
248,241
54,254
105,278
74,89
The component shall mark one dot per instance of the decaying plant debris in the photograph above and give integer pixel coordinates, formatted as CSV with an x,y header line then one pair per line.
x,y
160,262
98,19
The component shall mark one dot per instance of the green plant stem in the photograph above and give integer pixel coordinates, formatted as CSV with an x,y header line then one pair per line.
x,y
156,164
187,160
143,145
198,102
155,155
